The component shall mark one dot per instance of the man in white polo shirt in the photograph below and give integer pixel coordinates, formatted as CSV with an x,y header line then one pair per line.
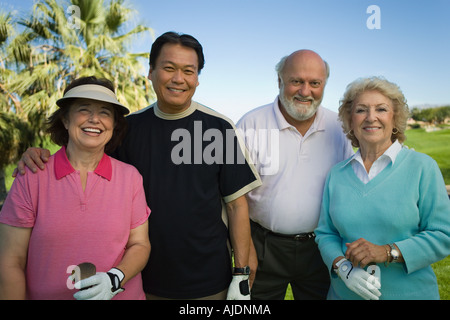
x,y
293,142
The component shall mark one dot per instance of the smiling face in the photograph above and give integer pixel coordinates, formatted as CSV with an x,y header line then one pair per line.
x,y
302,84
90,124
175,77
372,120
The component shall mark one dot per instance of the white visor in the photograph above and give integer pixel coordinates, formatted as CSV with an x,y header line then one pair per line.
x,y
94,92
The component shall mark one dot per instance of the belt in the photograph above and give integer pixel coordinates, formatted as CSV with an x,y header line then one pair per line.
x,y
296,237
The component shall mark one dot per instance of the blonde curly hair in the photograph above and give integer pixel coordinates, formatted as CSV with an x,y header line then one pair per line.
x,y
386,88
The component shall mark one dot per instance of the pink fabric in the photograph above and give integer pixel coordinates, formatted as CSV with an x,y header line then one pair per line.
x,y
71,226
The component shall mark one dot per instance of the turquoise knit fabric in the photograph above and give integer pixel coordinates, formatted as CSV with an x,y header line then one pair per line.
x,y
406,203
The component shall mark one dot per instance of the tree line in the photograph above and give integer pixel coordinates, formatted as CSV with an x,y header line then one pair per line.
x,y
436,115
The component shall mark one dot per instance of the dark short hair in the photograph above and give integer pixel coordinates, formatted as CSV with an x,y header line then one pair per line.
x,y
55,125
177,38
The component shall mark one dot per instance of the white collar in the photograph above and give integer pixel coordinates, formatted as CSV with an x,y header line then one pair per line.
x,y
391,153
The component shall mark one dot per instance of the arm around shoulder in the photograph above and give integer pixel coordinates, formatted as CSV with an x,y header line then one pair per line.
x,y
33,158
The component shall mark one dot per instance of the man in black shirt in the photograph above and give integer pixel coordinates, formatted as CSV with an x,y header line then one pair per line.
x,y
196,174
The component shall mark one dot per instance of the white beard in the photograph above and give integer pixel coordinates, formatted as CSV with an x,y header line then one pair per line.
x,y
296,110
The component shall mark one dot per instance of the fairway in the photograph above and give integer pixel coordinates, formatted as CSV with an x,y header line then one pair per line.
x,y
436,144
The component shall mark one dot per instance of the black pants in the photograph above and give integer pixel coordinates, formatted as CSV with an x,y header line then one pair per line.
x,y
282,261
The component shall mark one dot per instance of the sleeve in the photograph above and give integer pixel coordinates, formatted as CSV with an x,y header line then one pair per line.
x,y
18,209
238,175
248,136
432,243
141,211
327,236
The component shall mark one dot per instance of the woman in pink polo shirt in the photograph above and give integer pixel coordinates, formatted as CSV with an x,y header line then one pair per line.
x,y
84,207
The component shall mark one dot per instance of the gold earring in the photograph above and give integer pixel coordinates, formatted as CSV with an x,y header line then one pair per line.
x,y
395,131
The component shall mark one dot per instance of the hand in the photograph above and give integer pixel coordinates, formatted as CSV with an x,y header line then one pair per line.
x,y
239,288
359,281
362,252
102,286
32,158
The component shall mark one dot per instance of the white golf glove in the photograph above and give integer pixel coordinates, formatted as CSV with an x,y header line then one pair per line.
x,y
239,288
358,280
101,286
374,270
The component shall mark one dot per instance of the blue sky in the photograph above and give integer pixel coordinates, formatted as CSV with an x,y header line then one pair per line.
x,y
244,39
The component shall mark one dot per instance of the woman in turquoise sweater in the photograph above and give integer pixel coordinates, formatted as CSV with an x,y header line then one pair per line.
x,y
385,214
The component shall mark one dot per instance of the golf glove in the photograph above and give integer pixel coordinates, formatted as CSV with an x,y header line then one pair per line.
x,y
239,288
101,286
358,280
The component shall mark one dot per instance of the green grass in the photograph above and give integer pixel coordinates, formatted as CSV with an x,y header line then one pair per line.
x,y
442,271
436,144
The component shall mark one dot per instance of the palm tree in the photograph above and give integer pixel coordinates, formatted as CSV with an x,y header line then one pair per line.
x,y
56,47
8,99
99,47
15,133
15,137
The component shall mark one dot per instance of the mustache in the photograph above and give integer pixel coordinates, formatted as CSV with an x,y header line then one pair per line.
x,y
300,97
